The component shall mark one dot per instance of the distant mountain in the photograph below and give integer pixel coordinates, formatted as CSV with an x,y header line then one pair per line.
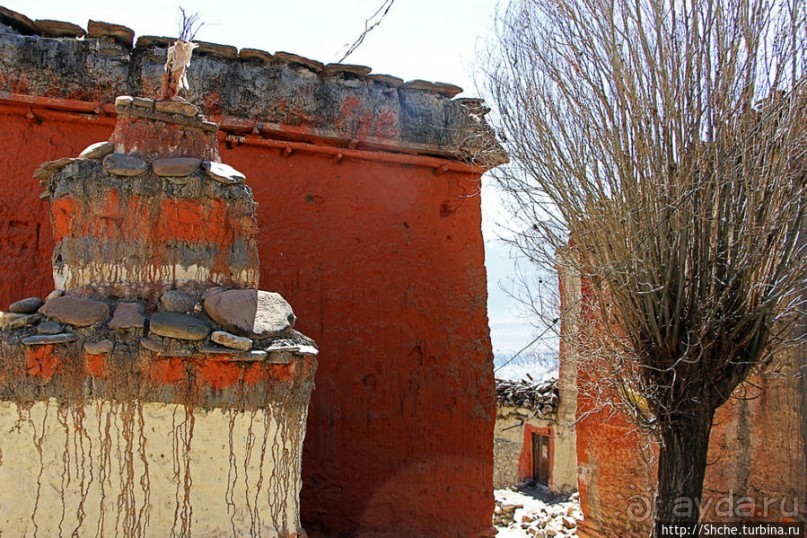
x,y
540,366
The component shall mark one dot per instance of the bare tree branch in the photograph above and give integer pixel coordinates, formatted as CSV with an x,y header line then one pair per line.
x,y
664,144
369,25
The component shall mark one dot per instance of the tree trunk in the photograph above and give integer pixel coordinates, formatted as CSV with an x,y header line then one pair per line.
x,y
682,466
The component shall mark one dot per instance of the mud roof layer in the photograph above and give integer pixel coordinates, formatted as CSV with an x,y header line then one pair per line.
x,y
279,95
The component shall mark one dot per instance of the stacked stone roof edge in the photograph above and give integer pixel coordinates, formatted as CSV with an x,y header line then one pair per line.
x,y
276,92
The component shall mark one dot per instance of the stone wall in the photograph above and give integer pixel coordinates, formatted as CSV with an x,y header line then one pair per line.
x,y
523,409
510,441
370,218
277,95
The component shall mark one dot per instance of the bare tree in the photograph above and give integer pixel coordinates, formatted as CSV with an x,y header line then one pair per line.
x,y
662,142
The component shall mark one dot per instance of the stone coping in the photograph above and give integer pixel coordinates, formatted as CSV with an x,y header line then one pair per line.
x,y
342,101
539,399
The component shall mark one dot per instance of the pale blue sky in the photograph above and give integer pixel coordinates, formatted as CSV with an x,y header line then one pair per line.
x,y
435,40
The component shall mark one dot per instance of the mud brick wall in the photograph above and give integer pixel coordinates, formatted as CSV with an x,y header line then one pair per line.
x,y
370,225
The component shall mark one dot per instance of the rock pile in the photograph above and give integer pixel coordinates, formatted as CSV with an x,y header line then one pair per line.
x,y
540,398
243,324
535,513
504,514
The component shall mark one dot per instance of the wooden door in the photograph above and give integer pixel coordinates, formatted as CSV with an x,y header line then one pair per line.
x,y
540,458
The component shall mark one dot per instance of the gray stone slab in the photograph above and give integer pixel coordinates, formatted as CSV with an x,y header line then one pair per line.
x,y
49,327
11,320
180,326
128,316
122,164
231,341
176,107
216,350
76,311
28,305
121,34
177,301
42,339
175,166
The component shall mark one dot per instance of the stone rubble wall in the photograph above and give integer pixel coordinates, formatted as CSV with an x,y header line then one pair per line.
x,y
282,92
509,443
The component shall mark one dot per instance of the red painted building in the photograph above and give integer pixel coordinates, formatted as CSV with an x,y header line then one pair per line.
x,y
370,226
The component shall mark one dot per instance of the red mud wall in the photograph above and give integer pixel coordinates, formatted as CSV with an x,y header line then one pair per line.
x,y
383,264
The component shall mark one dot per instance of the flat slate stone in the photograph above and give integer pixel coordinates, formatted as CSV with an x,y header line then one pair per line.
x,y
76,311
142,102
255,355
121,164
177,301
49,327
18,21
232,341
282,347
151,40
99,150
175,166
58,164
387,79
254,54
176,107
11,320
307,350
28,305
358,70
119,33
42,339
51,28
223,173
448,90
254,313
47,169
180,326
302,60
153,345
215,350
123,100
99,348
128,316
214,49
